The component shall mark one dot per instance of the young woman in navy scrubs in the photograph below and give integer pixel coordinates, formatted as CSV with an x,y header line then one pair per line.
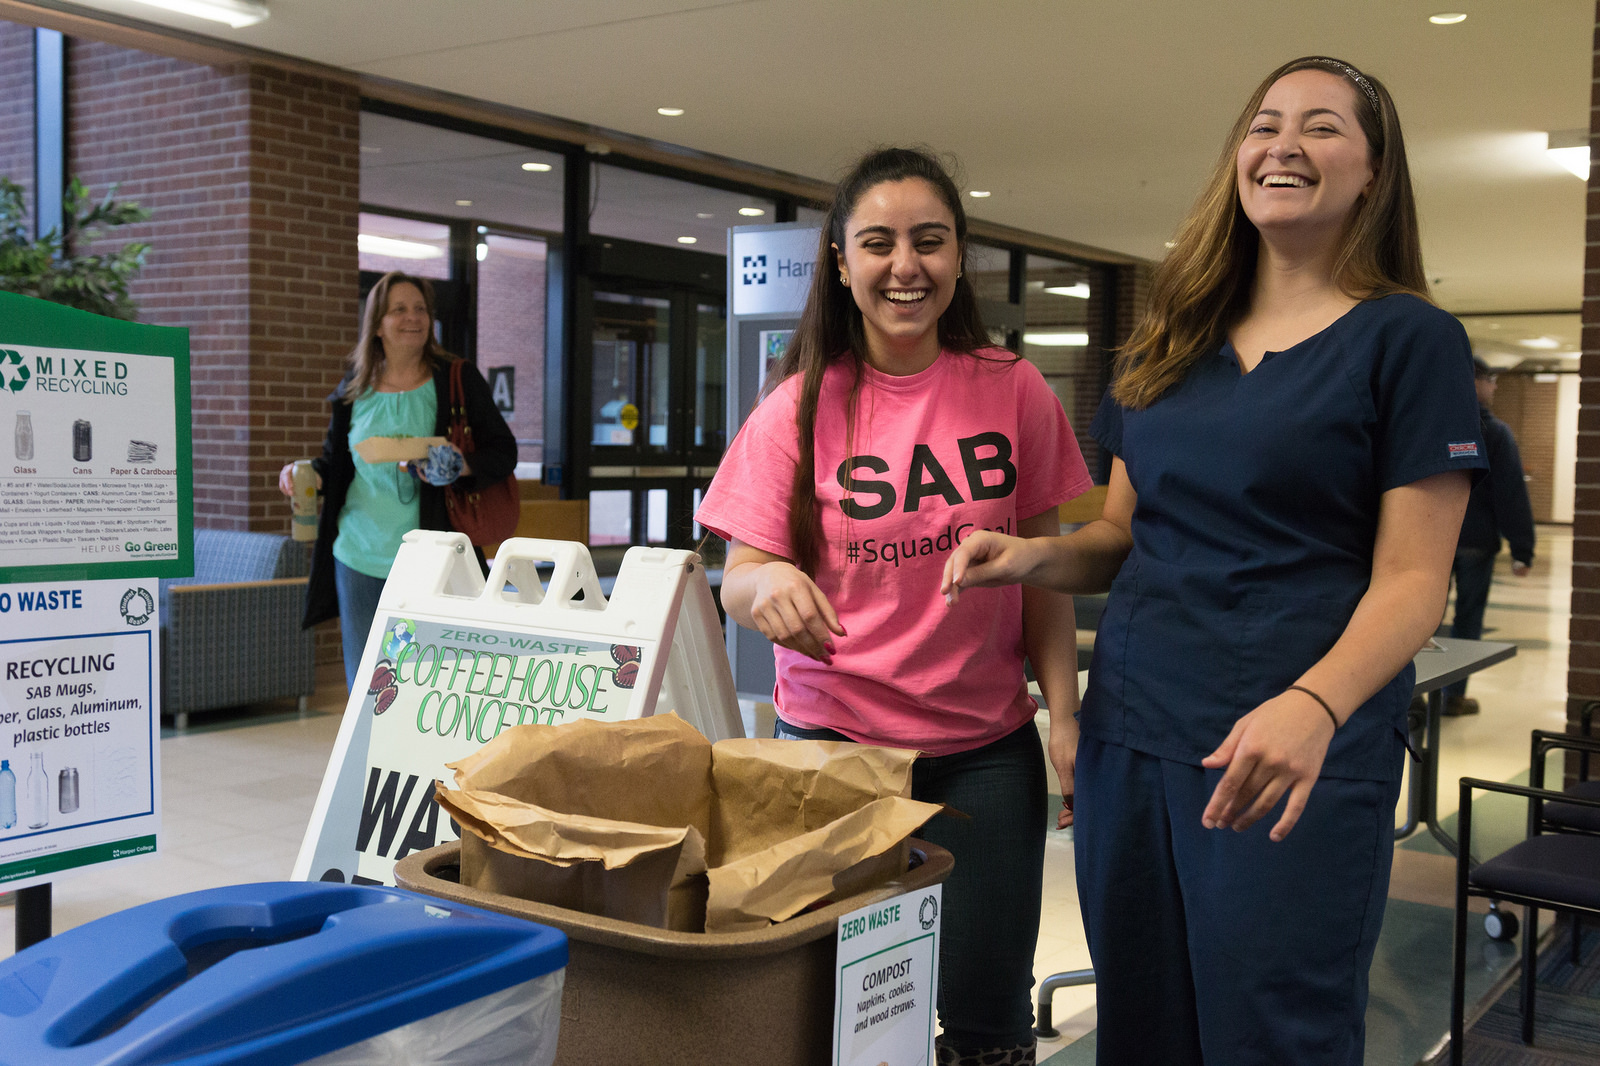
x,y
1295,434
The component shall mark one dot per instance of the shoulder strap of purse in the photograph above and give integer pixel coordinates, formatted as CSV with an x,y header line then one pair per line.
x,y
460,428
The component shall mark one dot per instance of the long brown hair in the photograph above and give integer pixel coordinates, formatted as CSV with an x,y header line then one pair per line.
x,y
367,357
1203,287
831,330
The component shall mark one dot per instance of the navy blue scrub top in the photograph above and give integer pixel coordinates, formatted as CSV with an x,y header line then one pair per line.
x,y
1254,529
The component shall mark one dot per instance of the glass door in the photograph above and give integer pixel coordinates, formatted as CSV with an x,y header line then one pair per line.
x,y
657,411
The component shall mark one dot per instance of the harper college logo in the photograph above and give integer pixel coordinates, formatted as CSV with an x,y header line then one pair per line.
x,y
13,372
754,269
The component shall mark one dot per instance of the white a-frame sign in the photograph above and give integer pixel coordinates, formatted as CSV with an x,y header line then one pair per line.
x,y
454,658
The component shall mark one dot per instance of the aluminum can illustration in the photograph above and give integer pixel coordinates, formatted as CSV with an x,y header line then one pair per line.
x,y
82,445
67,790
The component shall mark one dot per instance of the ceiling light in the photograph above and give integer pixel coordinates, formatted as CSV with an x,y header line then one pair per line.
x,y
463,203
670,112
394,246
537,168
1570,148
1170,244
1447,18
1080,290
236,13
751,212
1057,340
688,240
980,194
483,251
1548,343
704,214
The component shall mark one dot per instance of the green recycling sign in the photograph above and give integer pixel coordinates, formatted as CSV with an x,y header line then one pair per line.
x,y
14,372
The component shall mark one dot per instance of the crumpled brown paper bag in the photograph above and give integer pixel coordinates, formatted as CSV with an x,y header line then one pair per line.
x,y
622,819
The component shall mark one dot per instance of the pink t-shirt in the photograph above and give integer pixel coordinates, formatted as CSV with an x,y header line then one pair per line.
x,y
970,443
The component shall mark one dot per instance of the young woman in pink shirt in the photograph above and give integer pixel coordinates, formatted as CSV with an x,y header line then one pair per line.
x,y
890,431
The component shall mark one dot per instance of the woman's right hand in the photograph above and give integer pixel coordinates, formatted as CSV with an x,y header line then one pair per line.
x,y
286,480
987,559
791,611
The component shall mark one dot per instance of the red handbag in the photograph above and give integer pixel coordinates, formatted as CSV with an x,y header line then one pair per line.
x,y
487,514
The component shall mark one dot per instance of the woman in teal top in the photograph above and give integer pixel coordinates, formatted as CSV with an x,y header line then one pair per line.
x,y
398,385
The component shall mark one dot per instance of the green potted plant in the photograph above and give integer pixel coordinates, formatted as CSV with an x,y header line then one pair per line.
x,y
50,268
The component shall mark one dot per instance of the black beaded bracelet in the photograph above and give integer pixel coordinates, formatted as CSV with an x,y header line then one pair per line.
x,y
1331,716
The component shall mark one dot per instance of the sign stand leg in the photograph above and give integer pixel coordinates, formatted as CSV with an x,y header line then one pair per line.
x,y
33,915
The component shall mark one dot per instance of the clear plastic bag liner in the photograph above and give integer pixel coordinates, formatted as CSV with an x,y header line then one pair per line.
x,y
517,1026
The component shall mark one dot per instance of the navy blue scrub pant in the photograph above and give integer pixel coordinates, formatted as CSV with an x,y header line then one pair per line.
x,y
991,900
1223,948
1474,573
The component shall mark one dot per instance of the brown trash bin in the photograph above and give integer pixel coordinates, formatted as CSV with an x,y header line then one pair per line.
x,y
639,994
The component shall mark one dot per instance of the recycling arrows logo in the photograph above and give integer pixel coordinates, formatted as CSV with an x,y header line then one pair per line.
x,y
13,371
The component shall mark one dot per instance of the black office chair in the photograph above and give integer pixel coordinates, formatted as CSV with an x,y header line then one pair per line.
x,y
1569,817
1559,871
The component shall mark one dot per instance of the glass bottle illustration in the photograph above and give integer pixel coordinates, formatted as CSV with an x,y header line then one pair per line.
x,y
38,793
24,435
8,795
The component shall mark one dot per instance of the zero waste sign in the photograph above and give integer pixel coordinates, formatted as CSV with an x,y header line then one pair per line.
x,y
438,692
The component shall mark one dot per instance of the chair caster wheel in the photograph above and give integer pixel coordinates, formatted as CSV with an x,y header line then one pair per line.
x,y
1500,925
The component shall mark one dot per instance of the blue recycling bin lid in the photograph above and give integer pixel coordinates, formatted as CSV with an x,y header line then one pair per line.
x,y
257,974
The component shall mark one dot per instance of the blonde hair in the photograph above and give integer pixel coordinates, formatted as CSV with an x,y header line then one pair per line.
x,y
367,357
1203,287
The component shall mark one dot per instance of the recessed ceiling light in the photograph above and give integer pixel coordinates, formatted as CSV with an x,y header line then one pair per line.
x,y
394,246
1447,18
1547,343
1080,290
483,251
1057,340
751,212
688,240
537,168
463,203
670,112
979,194
236,13
704,214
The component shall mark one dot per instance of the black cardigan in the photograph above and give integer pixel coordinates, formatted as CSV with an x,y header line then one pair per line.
x,y
494,460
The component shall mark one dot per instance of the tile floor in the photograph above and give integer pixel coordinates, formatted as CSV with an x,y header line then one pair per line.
x,y
238,790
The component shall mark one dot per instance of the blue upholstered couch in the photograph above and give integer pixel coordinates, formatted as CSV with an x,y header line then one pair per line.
x,y
231,633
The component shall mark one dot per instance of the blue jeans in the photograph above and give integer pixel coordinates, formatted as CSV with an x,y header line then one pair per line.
x,y
991,901
358,604
1474,570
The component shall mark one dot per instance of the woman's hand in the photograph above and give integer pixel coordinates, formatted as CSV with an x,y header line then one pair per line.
x,y
1276,748
442,466
792,612
1063,751
987,559
286,479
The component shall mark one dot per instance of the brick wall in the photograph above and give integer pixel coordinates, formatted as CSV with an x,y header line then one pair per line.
x,y
175,136
16,107
304,192
1583,670
511,307
1529,408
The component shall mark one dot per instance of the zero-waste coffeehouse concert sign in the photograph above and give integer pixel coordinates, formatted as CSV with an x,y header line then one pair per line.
x,y
95,472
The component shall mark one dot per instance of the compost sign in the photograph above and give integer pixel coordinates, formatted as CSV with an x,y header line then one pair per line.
x,y
80,767
888,977
437,692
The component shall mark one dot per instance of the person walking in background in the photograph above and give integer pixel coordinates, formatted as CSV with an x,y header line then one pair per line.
x,y
1499,507
398,385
